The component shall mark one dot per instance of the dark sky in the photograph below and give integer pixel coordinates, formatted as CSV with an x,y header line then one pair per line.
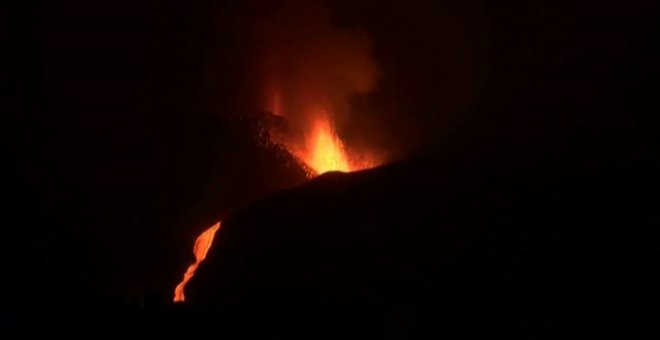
x,y
121,133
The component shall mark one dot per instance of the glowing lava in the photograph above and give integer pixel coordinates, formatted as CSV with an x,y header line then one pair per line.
x,y
201,248
324,151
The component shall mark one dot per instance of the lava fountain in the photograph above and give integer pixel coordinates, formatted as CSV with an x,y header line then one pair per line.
x,y
323,151
327,150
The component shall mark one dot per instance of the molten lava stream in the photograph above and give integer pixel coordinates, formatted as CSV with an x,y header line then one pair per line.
x,y
201,248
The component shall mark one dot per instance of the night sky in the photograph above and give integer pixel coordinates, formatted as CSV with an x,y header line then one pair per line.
x,y
129,127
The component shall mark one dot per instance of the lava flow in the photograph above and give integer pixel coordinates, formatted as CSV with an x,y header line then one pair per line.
x,y
201,248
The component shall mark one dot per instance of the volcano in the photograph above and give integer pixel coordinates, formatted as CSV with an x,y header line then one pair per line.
x,y
310,168
398,249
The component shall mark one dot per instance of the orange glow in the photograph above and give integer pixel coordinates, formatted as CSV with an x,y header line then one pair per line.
x,y
324,151
201,248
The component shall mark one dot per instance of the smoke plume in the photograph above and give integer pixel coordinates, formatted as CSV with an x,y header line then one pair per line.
x,y
312,66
